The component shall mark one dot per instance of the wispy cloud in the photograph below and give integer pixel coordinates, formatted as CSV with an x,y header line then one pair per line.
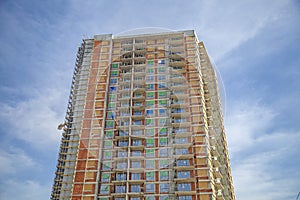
x,y
34,120
247,121
259,153
15,160
19,189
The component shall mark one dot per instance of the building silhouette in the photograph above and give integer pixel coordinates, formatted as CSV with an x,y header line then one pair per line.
x,y
144,121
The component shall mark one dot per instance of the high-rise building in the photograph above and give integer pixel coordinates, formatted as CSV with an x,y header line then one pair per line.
x,y
144,121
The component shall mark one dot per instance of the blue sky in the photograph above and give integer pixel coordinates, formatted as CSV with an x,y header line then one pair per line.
x,y
255,45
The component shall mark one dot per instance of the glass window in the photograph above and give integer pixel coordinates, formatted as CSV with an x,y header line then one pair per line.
x,y
134,198
107,155
137,112
136,153
150,132
163,131
162,112
161,62
150,198
150,62
149,187
162,85
164,187
121,177
162,102
110,114
108,144
113,81
183,174
150,142
135,176
184,187
150,78
112,97
180,130
150,103
149,152
150,86
136,164
161,77
106,166
123,133
109,134
135,188
137,122
163,175
150,94
123,143
114,73
122,154
120,188
163,152
103,198
185,197
150,71
163,163
136,142
150,164
138,103
105,177
161,121
161,70
163,141
162,94
137,132
180,140
111,105
182,151
183,163
164,197
149,122
104,189
122,165
150,176
149,112
115,65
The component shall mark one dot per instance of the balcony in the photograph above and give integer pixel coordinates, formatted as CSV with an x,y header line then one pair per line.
x,y
180,114
218,184
189,167
179,104
137,107
184,180
174,55
179,87
178,95
214,151
215,161
217,173
184,156
188,144
181,124
138,117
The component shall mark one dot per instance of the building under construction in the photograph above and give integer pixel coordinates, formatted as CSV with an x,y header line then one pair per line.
x,y
144,121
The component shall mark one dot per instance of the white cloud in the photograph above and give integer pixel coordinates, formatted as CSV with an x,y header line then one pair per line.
x,y
260,166
15,160
35,120
224,26
246,121
267,174
20,189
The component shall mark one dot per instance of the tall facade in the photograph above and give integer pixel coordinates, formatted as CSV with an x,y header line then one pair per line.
x,y
144,121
